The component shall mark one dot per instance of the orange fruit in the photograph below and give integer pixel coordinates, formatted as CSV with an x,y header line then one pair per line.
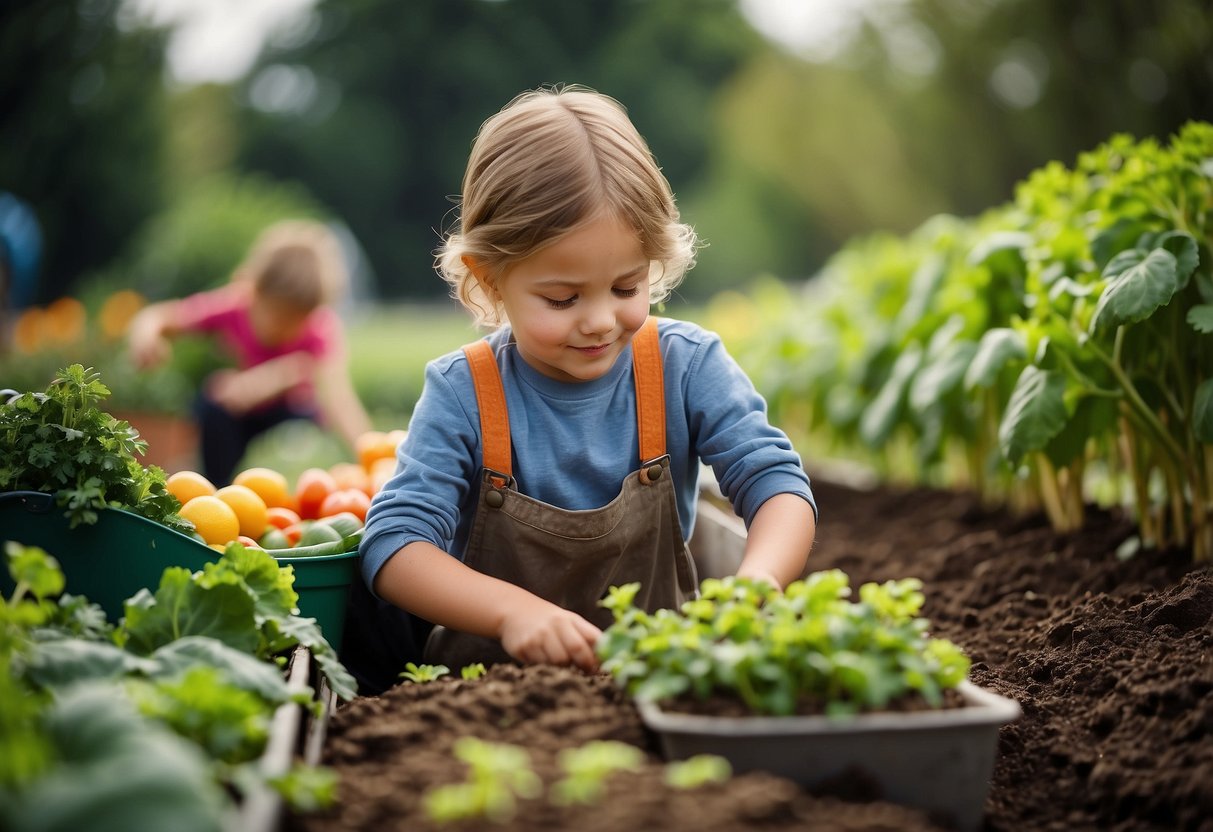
x,y
382,471
313,485
268,484
373,445
353,500
117,311
186,485
250,509
351,475
65,320
214,519
280,517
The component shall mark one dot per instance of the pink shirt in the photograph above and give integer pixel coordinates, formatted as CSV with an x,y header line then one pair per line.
x,y
224,312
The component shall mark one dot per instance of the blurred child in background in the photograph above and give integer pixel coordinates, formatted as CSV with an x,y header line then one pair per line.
x,y
276,318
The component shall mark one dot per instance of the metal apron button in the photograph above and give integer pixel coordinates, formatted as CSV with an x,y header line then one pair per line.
x,y
654,473
494,499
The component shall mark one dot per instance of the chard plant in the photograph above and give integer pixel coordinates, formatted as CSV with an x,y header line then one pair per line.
x,y
807,647
1053,351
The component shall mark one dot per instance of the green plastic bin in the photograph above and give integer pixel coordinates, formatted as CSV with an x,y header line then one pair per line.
x,y
108,561
323,584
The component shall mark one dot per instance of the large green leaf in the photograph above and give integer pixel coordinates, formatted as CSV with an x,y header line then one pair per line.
x,y
115,772
1035,414
239,668
66,661
1202,412
270,584
183,607
1001,252
942,375
1138,283
1201,318
1187,254
997,348
882,414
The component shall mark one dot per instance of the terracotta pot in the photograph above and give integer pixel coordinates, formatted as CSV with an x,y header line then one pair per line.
x,y
172,440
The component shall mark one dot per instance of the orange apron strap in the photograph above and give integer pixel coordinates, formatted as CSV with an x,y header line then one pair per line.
x,y
650,390
494,417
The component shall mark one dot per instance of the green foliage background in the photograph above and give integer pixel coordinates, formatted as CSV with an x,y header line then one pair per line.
x,y
365,109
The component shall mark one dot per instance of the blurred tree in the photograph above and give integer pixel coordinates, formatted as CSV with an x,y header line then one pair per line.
x,y
943,105
81,124
374,103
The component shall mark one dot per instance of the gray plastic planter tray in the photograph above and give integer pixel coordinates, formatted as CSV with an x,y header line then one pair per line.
x,y
940,761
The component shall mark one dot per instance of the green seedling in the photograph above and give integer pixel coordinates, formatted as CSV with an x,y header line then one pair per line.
x,y
421,673
499,774
697,771
472,671
587,768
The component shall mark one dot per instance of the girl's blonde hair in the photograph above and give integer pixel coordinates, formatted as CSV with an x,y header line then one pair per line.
x,y
298,263
551,160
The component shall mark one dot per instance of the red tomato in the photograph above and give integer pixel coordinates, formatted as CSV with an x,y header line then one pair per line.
x,y
280,517
293,532
313,485
353,500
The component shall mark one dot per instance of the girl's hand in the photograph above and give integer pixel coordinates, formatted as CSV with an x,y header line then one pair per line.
x,y
150,350
543,633
233,391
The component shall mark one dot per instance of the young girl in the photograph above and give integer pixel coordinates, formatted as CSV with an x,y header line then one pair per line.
x,y
276,319
560,455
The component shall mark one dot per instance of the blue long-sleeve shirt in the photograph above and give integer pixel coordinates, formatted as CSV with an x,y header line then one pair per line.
x,y
574,443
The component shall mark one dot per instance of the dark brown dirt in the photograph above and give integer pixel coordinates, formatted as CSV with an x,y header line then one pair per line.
x,y
1111,660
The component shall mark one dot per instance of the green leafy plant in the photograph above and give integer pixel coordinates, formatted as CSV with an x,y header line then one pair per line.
x,y
60,442
422,673
499,774
805,648
177,699
1052,351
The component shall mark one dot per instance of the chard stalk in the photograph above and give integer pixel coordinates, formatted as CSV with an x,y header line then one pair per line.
x,y
1050,493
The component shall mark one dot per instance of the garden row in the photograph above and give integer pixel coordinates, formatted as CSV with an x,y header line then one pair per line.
x,y
1052,351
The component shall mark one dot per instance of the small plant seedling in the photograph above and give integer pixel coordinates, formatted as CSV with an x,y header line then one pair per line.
x,y
472,671
421,673
587,768
499,774
697,771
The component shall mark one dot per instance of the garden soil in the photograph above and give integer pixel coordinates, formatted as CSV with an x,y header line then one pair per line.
x,y
1110,657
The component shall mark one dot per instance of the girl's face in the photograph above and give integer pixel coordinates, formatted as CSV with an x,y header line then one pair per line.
x,y
575,305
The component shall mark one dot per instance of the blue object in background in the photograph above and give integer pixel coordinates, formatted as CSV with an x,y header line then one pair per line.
x,y
20,249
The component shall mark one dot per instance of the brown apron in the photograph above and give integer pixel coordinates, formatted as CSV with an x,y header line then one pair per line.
x,y
572,558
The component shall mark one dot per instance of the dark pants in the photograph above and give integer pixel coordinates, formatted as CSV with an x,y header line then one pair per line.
x,y
379,640
225,436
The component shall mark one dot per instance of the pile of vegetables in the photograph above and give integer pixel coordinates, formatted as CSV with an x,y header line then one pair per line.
x,y
804,650
1051,352
158,721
